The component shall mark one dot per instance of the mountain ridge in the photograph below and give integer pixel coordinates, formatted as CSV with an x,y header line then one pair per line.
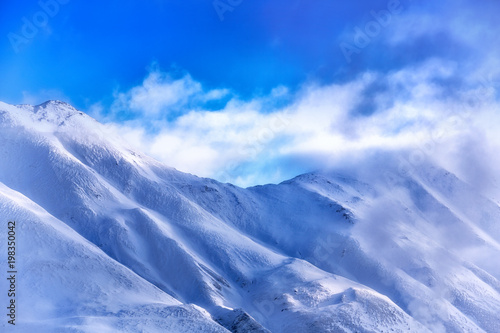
x,y
323,252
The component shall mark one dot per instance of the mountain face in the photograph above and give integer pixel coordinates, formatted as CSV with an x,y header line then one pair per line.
x,y
110,240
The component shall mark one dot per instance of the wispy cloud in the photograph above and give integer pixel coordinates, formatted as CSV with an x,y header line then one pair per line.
x,y
320,125
160,93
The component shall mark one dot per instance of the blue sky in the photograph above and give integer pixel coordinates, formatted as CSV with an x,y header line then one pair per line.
x,y
200,84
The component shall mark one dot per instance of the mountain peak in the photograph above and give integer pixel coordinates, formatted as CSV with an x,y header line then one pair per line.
x,y
55,103
56,107
50,116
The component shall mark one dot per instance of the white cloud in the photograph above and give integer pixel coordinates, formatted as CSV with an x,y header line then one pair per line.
x,y
245,144
160,93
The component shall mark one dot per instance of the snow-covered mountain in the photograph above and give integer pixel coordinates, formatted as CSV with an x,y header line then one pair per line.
x,y
110,240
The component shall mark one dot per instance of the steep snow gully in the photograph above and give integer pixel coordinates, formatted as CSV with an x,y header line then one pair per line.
x,y
110,240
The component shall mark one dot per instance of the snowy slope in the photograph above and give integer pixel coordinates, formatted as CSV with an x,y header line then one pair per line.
x,y
68,284
132,245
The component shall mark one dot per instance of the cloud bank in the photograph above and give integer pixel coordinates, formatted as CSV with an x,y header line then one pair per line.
x,y
273,137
